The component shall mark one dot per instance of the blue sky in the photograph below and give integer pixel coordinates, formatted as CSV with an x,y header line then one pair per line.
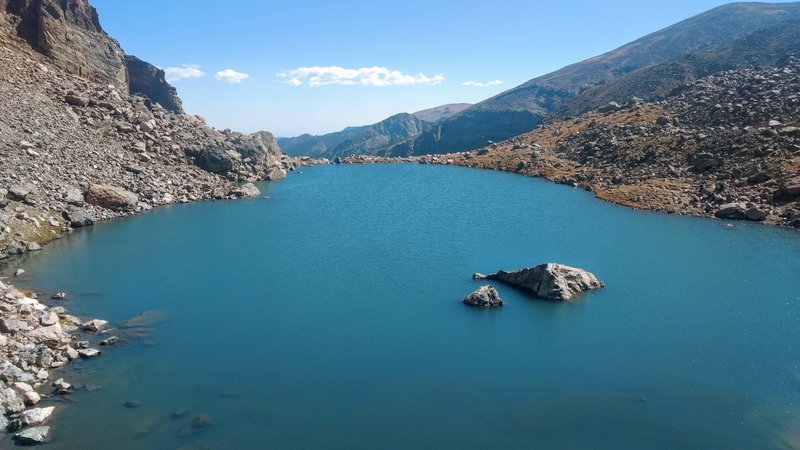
x,y
311,66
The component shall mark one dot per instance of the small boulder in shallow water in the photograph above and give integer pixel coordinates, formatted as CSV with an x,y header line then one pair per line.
x,y
550,281
89,353
32,436
484,297
110,341
95,325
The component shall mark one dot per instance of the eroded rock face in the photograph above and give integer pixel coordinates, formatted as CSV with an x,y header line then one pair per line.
x,y
111,197
149,81
550,281
69,32
484,297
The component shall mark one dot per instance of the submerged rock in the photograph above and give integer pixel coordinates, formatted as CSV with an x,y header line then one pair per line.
x,y
484,297
197,425
550,281
110,341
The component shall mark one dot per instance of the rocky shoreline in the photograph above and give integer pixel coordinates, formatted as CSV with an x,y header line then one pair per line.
x,y
89,134
726,146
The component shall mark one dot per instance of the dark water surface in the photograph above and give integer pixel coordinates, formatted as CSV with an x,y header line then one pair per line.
x,y
329,317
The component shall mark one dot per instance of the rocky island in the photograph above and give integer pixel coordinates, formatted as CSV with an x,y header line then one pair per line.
x,y
549,281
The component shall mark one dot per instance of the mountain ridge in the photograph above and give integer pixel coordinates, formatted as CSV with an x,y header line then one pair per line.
x,y
369,139
519,109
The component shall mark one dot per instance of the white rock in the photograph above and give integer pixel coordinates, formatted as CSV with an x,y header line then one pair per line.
x,y
31,398
21,387
89,352
36,416
32,436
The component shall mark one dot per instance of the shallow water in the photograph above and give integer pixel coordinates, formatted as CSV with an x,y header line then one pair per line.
x,y
329,316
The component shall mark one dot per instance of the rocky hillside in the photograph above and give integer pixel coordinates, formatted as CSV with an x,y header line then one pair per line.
x,y
726,145
76,147
519,109
438,113
387,137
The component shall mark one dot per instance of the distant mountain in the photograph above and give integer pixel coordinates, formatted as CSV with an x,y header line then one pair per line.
x,y
441,112
369,139
519,109
766,47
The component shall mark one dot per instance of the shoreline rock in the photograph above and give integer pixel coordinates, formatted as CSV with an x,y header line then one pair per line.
x,y
549,281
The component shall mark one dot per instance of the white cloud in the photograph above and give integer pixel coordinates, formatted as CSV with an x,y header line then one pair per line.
x,y
231,76
184,72
481,84
366,76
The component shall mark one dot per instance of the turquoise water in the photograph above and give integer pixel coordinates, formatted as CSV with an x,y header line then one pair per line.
x,y
330,316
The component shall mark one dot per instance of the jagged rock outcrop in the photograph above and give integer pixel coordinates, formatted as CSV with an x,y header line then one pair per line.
x,y
69,33
149,81
484,297
238,153
550,281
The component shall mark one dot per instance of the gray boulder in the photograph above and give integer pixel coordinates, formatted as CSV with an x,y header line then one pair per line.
x,y
11,373
78,217
733,211
550,281
756,215
73,196
212,158
790,187
246,190
484,297
10,400
21,192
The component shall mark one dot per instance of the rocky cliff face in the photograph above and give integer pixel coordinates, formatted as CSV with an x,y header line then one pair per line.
x,y
76,149
69,33
149,81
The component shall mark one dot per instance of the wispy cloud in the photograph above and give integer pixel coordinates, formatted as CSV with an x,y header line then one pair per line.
x,y
231,76
184,72
481,83
366,76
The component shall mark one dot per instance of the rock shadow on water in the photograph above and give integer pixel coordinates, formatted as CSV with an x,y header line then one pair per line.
x,y
146,319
